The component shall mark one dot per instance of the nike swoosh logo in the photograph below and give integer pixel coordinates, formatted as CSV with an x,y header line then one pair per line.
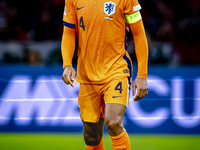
x,y
116,96
79,8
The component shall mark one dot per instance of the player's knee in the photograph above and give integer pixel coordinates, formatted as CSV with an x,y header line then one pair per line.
x,y
91,139
114,126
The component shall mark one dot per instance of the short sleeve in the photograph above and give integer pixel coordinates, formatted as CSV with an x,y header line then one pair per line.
x,y
131,6
69,18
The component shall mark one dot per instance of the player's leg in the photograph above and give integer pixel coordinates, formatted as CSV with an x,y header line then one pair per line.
x,y
114,114
93,133
91,106
116,98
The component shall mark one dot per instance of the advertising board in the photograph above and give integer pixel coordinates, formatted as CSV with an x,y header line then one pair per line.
x,y
36,99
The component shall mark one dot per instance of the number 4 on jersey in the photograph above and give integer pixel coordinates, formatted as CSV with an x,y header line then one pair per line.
x,y
82,23
119,87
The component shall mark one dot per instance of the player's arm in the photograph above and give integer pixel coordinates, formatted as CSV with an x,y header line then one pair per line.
x,y
67,49
141,49
68,42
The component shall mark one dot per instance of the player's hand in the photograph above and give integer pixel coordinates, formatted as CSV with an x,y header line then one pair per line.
x,y
69,75
142,88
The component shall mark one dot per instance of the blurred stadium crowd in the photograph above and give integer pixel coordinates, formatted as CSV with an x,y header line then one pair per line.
x,y
31,31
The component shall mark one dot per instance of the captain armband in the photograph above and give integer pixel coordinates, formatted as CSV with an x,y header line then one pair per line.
x,y
134,17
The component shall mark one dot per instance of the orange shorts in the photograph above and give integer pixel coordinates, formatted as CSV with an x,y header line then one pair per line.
x,y
93,97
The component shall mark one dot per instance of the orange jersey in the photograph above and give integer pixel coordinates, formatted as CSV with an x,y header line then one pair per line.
x,y
100,29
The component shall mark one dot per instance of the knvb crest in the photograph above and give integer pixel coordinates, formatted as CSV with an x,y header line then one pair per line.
x,y
109,8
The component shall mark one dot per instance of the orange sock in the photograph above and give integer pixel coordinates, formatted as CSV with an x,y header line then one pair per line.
x,y
98,147
121,142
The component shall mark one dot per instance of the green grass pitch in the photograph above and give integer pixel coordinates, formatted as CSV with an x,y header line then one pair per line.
x,y
66,141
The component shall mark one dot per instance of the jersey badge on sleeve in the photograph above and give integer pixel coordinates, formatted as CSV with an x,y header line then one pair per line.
x,y
136,8
109,8
65,11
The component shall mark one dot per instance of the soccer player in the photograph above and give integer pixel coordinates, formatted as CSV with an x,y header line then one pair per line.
x,y
104,68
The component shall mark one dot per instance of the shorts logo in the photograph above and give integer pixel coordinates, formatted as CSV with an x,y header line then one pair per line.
x,y
109,8
125,71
